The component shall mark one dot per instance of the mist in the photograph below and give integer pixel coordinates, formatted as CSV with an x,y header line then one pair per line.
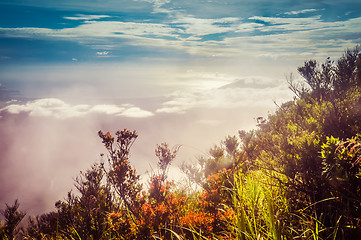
x,y
42,152
49,127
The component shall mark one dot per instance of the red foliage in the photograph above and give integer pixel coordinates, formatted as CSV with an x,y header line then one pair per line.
x,y
198,221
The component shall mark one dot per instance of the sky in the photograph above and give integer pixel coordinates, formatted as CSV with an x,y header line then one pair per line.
x,y
177,71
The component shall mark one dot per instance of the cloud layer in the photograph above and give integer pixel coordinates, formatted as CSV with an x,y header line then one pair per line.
x,y
251,92
46,142
59,109
171,30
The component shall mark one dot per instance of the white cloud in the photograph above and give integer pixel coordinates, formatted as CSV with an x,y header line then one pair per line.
x,y
135,112
300,11
102,54
157,3
230,97
114,28
158,6
288,38
95,29
107,109
200,80
295,24
86,17
187,33
53,107
201,26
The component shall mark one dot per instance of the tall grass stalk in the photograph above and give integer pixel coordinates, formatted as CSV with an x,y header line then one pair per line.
x,y
256,200
195,235
311,225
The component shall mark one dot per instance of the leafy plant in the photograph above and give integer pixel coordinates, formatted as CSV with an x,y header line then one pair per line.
x,y
12,219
